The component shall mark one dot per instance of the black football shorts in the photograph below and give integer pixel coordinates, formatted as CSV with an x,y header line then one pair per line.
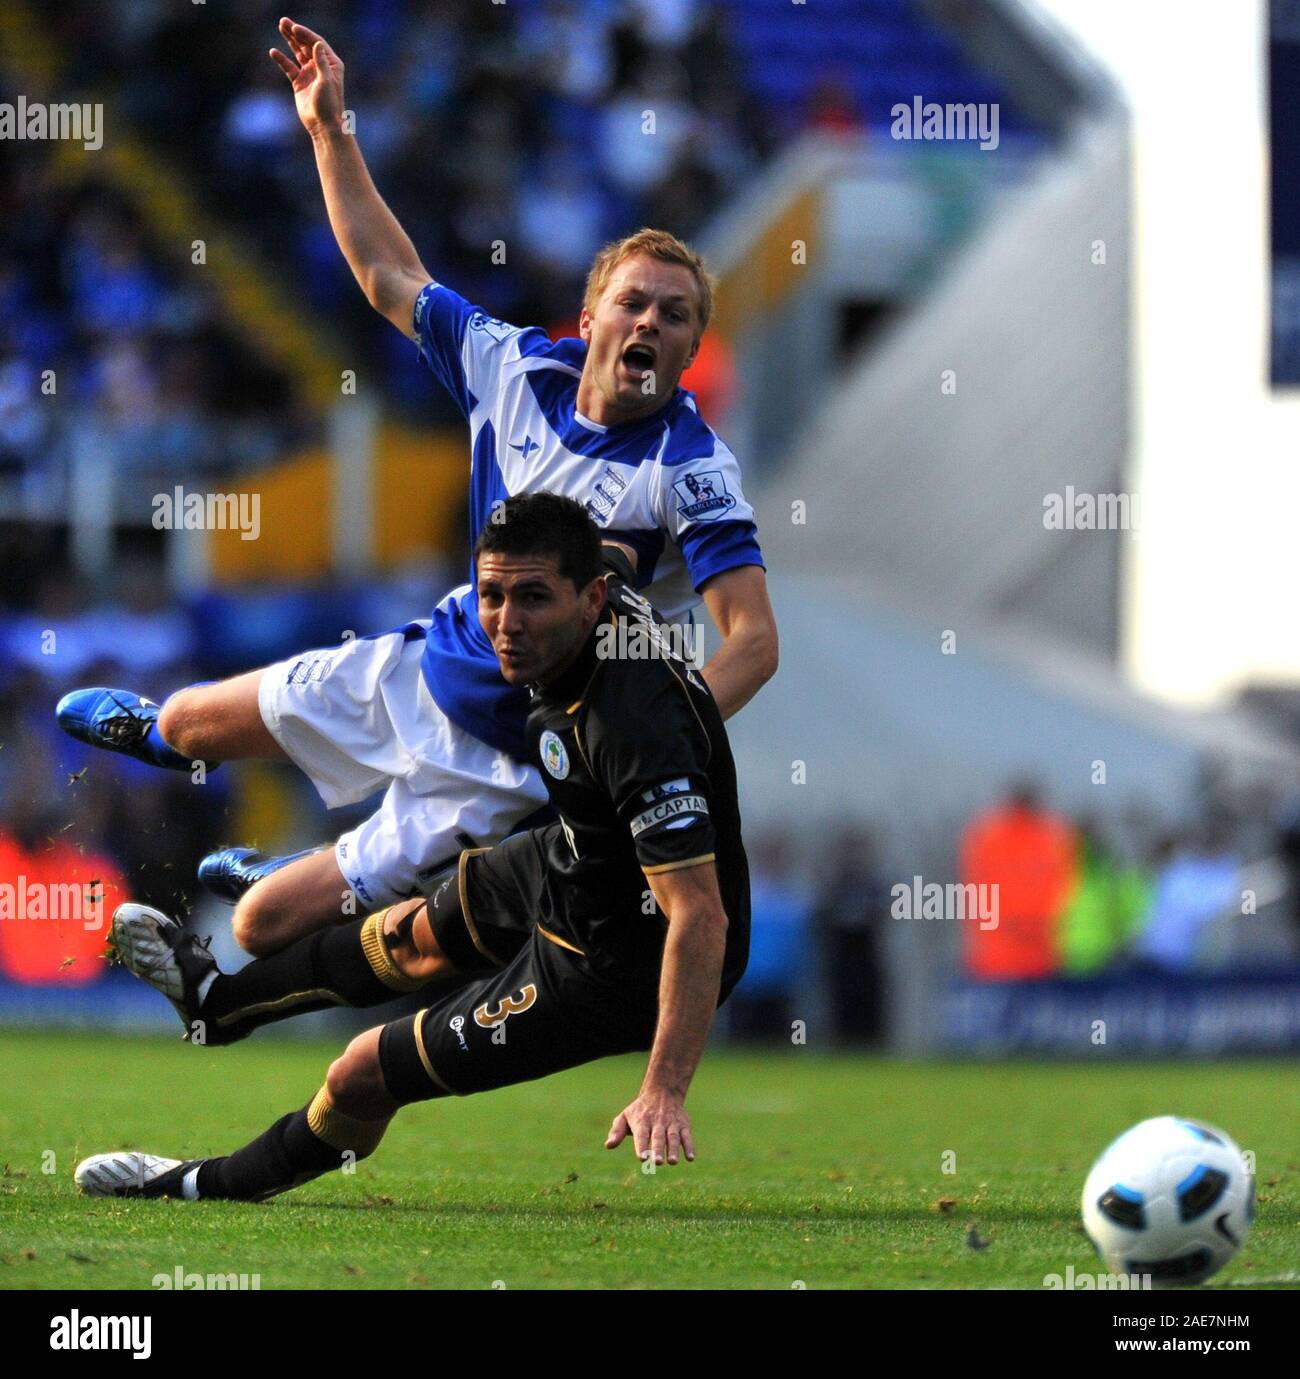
x,y
533,1005
545,1011
484,912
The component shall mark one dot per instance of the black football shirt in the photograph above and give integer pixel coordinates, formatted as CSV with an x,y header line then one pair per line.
x,y
637,765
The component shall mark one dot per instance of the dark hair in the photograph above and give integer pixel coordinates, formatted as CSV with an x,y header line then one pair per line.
x,y
544,524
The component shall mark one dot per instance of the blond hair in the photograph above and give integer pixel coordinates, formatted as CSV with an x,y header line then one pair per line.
x,y
658,244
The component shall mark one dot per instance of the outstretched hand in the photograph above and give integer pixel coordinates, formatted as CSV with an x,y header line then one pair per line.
x,y
316,74
659,1126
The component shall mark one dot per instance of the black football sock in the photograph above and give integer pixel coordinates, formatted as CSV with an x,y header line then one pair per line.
x,y
343,965
297,1148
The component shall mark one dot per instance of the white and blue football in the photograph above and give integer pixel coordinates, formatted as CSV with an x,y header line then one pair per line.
x,y
1170,1198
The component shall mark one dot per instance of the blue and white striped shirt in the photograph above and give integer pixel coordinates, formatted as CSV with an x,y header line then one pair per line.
x,y
665,485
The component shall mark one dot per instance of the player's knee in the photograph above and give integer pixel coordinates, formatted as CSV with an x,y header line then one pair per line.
x,y
412,946
179,725
341,1082
355,1081
253,926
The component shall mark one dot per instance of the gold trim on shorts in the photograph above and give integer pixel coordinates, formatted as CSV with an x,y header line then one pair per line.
x,y
563,943
470,926
424,1053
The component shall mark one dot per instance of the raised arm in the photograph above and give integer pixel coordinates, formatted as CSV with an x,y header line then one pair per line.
x,y
689,983
379,252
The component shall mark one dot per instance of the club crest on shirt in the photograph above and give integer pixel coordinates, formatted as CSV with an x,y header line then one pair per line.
x,y
554,757
489,325
669,787
703,495
601,503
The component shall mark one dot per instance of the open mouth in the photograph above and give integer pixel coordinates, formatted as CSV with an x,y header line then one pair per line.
x,y
639,358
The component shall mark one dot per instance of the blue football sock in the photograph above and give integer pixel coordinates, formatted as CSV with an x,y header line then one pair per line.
x,y
160,753
155,750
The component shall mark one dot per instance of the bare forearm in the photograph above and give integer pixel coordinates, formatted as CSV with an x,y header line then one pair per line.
x,y
688,996
740,608
739,668
378,250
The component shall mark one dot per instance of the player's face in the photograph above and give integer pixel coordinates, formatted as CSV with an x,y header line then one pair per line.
x,y
533,616
641,337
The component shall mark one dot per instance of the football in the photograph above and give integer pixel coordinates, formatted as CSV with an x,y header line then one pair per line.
x,y
1170,1198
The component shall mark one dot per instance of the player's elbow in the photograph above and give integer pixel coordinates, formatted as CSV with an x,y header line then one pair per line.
x,y
759,654
377,284
767,653
702,924
392,289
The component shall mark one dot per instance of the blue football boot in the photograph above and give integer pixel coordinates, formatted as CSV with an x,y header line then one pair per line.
x,y
119,721
232,871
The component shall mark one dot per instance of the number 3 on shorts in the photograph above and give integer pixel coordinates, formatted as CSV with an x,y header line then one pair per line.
x,y
492,1013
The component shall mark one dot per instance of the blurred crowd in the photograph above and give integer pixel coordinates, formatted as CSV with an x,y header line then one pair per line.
x,y
99,339
68,811
1131,894
1217,893
70,816
817,943
1128,895
521,123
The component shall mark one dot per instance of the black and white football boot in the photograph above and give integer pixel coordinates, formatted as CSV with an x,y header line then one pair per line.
x,y
129,1173
167,956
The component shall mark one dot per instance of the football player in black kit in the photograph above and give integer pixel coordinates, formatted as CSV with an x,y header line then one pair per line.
x,y
621,927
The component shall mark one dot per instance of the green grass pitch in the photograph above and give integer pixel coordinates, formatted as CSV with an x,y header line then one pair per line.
x,y
825,1172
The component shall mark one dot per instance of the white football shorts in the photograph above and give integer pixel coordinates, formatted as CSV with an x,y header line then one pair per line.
x,y
357,717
